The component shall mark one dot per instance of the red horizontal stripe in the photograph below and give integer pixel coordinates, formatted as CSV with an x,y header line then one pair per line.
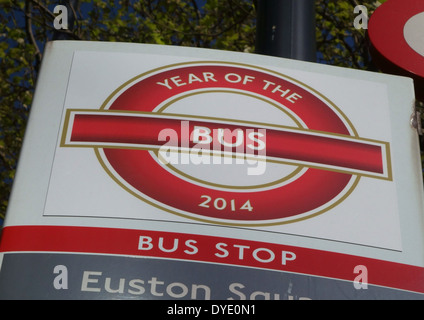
x,y
305,147
240,252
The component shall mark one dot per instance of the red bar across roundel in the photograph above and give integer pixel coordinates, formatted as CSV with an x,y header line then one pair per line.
x,y
306,147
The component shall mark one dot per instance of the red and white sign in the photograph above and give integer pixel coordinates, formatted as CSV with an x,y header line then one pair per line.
x,y
226,143
326,147
396,32
150,155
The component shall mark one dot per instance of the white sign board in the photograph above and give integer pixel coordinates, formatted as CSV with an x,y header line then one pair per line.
x,y
154,157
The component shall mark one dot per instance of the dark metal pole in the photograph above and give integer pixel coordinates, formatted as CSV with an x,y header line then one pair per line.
x,y
72,8
286,28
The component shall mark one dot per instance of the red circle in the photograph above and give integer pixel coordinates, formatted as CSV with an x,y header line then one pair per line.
x,y
389,46
142,172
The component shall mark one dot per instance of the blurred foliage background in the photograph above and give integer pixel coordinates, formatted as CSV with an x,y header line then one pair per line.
x,y
26,26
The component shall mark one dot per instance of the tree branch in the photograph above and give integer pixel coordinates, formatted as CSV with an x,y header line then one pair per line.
x,y
30,34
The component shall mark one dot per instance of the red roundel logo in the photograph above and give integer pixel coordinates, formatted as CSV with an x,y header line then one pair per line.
x,y
227,143
396,35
